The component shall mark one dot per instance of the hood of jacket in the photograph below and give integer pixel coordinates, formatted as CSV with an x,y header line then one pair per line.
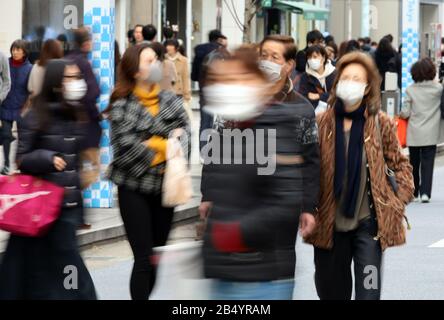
x,y
328,70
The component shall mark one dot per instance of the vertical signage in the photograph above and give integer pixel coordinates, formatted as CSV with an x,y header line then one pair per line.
x,y
99,16
410,40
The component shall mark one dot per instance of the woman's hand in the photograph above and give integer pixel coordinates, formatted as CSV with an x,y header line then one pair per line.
x,y
307,224
314,96
204,209
59,164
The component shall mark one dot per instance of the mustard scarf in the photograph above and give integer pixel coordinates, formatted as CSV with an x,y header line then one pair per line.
x,y
149,99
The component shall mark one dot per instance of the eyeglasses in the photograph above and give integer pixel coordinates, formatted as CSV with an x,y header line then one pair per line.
x,y
75,77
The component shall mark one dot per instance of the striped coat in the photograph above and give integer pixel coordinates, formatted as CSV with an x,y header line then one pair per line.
x,y
131,125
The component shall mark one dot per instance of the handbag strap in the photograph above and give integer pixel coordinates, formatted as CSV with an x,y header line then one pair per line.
x,y
388,171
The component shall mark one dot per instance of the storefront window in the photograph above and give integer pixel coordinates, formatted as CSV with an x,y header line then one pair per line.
x,y
50,19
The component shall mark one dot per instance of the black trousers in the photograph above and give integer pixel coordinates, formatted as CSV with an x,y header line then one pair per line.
x,y
333,276
7,138
147,225
47,268
423,161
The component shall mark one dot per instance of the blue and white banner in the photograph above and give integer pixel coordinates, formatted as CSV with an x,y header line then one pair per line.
x,y
410,40
99,16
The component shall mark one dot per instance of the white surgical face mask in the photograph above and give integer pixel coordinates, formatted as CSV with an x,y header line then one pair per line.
x,y
75,90
314,64
234,102
271,69
152,73
350,92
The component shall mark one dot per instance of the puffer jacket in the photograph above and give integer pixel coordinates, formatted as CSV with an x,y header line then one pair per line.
x,y
252,227
38,147
390,207
17,96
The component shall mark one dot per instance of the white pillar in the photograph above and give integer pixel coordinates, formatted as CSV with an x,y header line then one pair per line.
x,y
121,23
10,24
365,18
350,20
189,29
99,15
230,28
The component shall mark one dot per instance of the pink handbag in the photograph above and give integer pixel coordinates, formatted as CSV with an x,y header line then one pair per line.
x,y
28,205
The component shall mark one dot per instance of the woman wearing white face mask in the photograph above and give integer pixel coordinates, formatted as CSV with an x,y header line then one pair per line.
x,y
51,138
253,218
318,78
361,208
142,118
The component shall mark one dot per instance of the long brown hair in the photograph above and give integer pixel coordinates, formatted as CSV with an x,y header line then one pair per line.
x,y
372,98
51,49
127,70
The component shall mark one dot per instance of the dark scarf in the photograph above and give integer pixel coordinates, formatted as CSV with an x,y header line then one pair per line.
x,y
354,160
17,63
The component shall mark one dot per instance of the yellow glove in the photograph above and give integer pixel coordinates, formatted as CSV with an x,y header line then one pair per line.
x,y
159,145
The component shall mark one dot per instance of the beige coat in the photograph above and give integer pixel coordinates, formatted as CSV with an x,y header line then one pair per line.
x,y
182,87
169,76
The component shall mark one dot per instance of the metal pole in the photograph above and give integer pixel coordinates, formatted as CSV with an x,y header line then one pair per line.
x,y
219,15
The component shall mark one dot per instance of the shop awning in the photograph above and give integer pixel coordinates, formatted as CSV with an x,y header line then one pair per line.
x,y
310,11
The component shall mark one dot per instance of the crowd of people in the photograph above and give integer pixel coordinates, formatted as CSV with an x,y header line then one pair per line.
x,y
341,178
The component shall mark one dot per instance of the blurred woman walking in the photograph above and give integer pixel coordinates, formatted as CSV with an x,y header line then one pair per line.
x,y
50,140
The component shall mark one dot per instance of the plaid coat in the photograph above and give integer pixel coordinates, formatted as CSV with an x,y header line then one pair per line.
x,y
131,125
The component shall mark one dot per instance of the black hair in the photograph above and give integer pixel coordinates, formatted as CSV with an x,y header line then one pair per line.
x,y
319,50
385,46
173,43
159,49
423,70
130,36
352,45
215,35
330,40
52,94
389,37
62,37
81,35
149,32
168,33
20,44
314,36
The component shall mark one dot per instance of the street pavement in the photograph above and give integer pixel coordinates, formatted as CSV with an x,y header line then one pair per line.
x,y
413,271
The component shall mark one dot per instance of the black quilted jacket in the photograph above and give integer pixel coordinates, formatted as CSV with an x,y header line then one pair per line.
x,y
253,224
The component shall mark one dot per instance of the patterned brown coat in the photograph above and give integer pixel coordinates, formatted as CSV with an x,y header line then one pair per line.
x,y
390,207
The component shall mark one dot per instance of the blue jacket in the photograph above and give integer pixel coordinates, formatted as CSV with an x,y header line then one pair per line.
x,y
201,52
17,96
